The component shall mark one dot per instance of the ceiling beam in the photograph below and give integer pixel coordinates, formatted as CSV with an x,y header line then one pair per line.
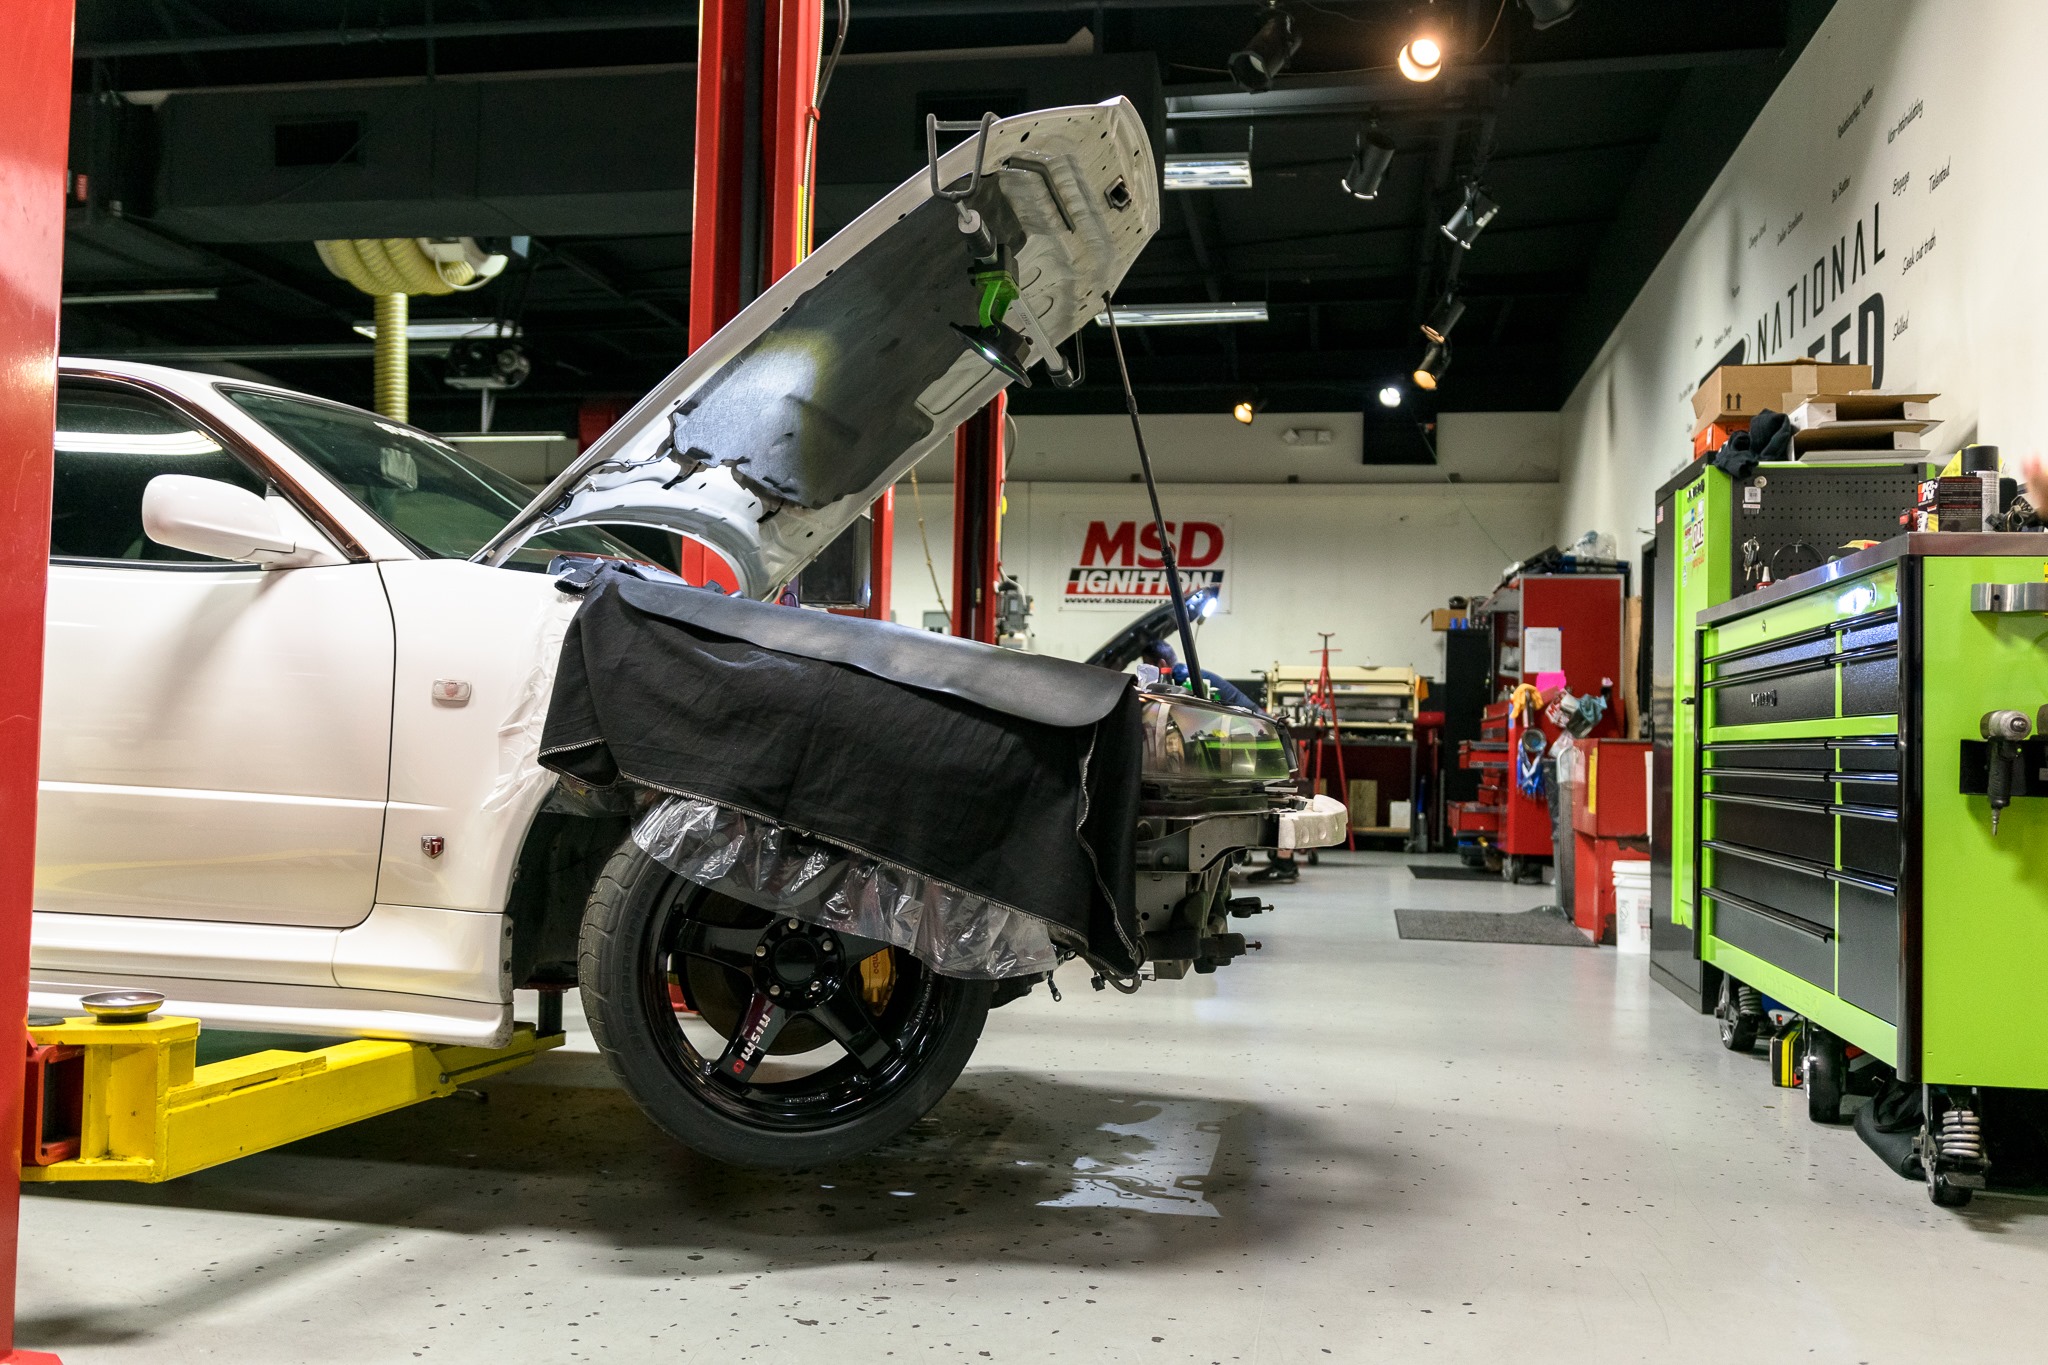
x,y
1354,94
679,17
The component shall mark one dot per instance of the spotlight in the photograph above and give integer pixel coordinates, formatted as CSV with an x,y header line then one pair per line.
x,y
1255,65
1243,412
1544,13
1421,59
1208,608
1475,213
1390,396
999,346
1442,318
1370,156
1435,361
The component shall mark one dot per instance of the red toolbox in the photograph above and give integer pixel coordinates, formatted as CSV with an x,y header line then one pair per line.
x,y
1610,821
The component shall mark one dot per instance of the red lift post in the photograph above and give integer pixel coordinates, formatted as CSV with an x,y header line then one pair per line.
x,y
35,114
978,520
757,81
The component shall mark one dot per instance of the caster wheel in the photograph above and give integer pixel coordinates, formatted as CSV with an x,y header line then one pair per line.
x,y
1824,1071
1944,1194
1738,1030
1511,870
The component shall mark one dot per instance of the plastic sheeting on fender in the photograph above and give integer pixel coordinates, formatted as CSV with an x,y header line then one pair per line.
x,y
783,869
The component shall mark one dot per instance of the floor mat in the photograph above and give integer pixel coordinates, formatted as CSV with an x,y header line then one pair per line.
x,y
1543,925
1434,872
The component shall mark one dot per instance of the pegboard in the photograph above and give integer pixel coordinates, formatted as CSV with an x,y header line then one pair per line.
x,y
1800,515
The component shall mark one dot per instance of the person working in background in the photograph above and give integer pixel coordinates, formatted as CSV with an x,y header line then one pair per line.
x,y
1280,866
1161,656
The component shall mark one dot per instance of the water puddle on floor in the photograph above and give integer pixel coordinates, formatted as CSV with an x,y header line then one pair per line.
x,y
1158,1161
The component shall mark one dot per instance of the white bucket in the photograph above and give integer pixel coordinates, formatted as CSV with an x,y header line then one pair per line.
x,y
1632,905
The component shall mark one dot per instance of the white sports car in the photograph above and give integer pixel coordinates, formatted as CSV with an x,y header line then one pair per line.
x,y
299,655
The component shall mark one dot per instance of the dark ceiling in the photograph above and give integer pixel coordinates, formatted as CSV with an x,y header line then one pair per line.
x,y
571,123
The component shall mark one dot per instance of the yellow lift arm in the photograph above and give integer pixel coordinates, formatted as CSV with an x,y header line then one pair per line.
x,y
146,1112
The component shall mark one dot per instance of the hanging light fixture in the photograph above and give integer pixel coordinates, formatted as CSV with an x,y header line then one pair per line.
x,y
1464,226
1272,46
1390,396
1422,58
1244,411
1435,361
1442,318
1544,13
1371,154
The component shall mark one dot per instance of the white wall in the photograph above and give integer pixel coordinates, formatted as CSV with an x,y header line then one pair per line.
x,y
1918,123
1365,562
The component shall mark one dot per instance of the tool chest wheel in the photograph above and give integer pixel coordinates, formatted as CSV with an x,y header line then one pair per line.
x,y
1738,1030
1825,1071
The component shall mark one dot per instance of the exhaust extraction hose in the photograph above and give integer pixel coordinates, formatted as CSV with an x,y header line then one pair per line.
x,y
390,270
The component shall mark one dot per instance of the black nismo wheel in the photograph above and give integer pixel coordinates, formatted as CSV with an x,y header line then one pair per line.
x,y
758,1039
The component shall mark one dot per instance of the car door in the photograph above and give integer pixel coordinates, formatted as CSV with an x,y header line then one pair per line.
x,y
216,737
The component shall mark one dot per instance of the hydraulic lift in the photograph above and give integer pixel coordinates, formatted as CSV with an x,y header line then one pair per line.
x,y
117,1094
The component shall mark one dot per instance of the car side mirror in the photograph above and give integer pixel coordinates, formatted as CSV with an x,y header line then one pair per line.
x,y
209,517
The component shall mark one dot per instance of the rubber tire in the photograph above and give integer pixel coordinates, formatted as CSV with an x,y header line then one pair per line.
x,y
1738,1030
1823,1074
616,920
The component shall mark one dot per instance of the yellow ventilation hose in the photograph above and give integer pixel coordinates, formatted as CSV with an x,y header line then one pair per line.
x,y
390,270
391,366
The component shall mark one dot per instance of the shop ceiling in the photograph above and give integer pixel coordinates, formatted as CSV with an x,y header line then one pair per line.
x,y
217,138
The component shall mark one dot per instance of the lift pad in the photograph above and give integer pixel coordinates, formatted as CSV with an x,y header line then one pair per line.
x,y
125,1101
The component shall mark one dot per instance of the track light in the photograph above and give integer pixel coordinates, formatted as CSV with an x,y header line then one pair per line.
x,y
1544,13
1475,213
1442,318
1255,65
1421,59
1000,347
1435,361
1371,154
1390,396
1243,412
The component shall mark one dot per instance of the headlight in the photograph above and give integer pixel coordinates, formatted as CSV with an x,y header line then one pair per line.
x,y
1189,740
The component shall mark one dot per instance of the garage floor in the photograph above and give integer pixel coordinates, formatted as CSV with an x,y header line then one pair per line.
x,y
1348,1147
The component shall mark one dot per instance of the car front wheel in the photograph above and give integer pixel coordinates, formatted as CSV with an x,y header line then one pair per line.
x,y
758,1039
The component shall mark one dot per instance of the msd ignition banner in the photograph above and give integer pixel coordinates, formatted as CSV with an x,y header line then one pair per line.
x,y
1116,564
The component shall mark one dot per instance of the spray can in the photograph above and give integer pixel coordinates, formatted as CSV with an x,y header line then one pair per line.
x,y
1981,462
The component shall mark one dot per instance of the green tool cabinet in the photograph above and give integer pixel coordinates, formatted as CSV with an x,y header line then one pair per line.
x,y
1845,863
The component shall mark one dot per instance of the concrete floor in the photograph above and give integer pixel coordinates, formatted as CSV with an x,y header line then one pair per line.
x,y
1348,1147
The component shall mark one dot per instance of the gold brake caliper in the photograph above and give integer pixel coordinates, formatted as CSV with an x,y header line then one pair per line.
x,y
878,979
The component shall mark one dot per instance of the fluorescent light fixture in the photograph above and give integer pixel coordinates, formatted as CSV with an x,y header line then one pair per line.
x,y
205,295
1202,171
151,444
1182,314
445,331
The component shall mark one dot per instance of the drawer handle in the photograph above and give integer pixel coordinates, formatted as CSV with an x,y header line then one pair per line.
x,y
1757,855
1804,926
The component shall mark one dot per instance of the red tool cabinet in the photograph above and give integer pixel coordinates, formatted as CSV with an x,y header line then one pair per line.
x,y
1610,822
1578,620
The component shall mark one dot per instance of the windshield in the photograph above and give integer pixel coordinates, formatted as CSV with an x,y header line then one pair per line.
x,y
445,503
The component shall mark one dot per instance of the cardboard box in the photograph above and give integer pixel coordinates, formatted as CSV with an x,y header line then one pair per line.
x,y
1822,408
1746,390
1364,803
1445,618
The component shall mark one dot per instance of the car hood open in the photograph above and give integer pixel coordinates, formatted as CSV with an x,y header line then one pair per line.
x,y
777,433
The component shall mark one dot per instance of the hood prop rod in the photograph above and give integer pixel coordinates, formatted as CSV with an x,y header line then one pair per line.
x,y
1180,605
